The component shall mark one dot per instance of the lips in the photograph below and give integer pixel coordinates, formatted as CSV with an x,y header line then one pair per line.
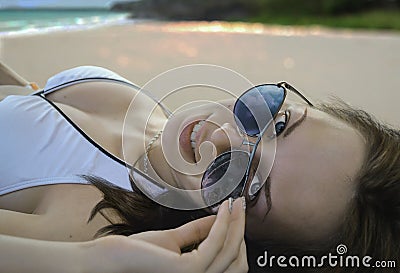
x,y
185,140
195,132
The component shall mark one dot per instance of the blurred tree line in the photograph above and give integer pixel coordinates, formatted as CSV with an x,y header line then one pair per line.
x,y
321,7
243,9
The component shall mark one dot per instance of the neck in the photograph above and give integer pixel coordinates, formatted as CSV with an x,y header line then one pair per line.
x,y
143,121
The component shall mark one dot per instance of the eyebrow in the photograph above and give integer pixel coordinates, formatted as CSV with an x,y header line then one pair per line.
x,y
296,124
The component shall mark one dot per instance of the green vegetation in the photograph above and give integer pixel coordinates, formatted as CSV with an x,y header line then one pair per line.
x,y
374,19
371,14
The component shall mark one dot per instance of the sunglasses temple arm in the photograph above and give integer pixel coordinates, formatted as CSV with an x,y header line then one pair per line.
x,y
252,156
294,90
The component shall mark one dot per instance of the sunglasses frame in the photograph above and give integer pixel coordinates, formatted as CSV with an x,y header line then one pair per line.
x,y
286,87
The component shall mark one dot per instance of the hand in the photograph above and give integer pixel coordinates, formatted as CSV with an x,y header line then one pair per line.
x,y
222,247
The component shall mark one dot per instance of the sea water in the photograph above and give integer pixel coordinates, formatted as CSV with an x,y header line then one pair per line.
x,y
32,21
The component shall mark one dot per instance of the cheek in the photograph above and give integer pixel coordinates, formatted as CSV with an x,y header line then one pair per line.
x,y
305,202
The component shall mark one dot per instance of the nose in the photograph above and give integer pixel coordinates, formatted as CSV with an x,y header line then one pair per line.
x,y
226,137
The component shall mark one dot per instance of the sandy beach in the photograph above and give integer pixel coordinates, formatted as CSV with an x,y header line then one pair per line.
x,y
362,68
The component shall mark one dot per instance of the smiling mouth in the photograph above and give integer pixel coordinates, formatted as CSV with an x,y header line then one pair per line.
x,y
193,135
189,139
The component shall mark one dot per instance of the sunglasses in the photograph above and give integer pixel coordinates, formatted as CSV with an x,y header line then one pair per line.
x,y
253,111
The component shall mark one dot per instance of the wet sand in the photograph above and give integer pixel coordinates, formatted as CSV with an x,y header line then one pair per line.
x,y
362,68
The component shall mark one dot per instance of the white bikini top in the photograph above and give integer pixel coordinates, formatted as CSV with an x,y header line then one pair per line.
x,y
40,145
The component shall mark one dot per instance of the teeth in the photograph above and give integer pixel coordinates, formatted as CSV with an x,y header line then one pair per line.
x,y
193,135
196,128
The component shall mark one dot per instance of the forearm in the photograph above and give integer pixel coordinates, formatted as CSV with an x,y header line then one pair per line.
x,y
29,255
10,77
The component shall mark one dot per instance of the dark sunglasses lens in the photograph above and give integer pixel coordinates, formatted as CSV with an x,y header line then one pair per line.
x,y
250,109
224,177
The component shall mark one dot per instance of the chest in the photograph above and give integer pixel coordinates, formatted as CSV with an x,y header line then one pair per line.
x,y
100,115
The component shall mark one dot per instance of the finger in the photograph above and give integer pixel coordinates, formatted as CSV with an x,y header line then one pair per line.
x,y
175,239
214,242
240,264
193,232
235,236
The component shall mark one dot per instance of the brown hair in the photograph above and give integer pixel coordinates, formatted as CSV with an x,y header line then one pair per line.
x,y
136,212
371,226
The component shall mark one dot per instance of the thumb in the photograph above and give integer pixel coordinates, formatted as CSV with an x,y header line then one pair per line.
x,y
193,232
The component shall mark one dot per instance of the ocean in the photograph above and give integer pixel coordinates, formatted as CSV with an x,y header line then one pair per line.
x,y
33,21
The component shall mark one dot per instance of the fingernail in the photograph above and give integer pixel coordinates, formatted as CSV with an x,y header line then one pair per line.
x,y
230,204
244,203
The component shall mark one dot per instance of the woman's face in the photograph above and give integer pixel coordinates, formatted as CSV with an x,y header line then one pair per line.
x,y
310,183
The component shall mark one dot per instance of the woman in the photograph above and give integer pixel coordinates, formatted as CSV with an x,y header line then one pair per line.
x,y
46,205
357,158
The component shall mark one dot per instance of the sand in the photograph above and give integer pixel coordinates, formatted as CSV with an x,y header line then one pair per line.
x,y
362,68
